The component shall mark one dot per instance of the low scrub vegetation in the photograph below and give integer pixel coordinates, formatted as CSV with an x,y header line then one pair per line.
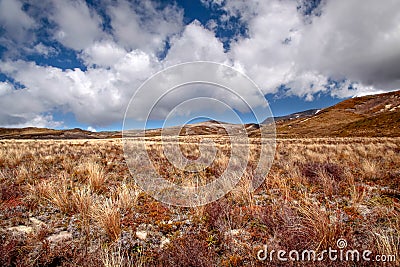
x,y
74,203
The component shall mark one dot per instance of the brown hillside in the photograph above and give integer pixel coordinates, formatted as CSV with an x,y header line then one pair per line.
x,y
44,133
376,115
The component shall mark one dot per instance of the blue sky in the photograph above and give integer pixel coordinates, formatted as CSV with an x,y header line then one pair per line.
x,y
74,63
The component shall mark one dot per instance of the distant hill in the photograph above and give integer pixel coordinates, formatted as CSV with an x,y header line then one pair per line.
x,y
375,115
210,127
297,115
44,133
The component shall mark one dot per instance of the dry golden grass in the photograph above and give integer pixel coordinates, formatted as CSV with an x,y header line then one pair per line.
x,y
388,240
318,190
106,215
58,192
125,196
96,176
82,200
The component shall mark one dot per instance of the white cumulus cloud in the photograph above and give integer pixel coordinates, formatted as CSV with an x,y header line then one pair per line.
x,y
122,43
77,25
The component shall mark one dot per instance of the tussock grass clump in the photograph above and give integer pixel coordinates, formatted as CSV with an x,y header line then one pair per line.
x,y
388,241
106,214
95,175
58,193
115,256
126,196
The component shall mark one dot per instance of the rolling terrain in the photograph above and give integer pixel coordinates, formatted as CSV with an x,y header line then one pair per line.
x,y
370,116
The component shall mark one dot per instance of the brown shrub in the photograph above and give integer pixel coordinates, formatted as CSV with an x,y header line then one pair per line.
x,y
190,250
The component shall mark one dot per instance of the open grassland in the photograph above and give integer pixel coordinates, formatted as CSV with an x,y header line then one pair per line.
x,y
74,203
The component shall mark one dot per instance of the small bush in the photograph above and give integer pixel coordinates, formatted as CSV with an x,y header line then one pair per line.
x,y
191,250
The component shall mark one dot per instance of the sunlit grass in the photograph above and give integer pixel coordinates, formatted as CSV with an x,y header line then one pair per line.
x,y
318,190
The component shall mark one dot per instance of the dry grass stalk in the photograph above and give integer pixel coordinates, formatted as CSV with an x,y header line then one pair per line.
x,y
96,176
126,196
107,216
59,194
